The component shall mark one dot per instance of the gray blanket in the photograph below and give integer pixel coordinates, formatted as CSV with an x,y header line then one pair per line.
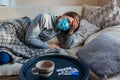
x,y
12,35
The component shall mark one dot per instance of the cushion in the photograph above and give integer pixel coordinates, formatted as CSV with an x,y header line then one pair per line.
x,y
10,69
108,15
89,9
85,29
102,55
114,30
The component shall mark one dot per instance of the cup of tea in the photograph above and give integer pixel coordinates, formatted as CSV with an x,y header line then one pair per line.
x,y
43,68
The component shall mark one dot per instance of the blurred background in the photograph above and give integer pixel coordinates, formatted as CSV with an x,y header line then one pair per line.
x,y
53,2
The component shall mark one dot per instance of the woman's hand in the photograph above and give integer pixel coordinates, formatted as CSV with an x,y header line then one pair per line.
x,y
53,46
74,26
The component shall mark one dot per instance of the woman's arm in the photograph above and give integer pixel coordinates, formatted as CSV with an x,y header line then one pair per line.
x,y
32,34
65,40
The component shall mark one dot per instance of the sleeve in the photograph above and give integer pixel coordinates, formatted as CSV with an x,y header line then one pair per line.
x,y
32,35
65,40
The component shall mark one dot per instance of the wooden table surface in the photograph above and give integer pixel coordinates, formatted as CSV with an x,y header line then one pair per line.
x,y
9,78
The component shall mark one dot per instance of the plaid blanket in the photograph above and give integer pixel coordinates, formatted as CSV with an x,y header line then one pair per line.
x,y
12,39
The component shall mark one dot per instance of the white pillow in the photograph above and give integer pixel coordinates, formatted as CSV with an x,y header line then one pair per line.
x,y
10,69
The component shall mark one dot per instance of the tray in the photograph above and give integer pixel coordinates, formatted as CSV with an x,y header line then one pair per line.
x,y
61,61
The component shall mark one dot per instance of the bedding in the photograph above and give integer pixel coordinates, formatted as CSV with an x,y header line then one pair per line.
x,y
12,40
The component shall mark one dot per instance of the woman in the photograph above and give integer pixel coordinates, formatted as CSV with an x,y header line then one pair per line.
x,y
44,27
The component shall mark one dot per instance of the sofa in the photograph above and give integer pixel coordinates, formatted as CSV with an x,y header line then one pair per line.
x,y
11,71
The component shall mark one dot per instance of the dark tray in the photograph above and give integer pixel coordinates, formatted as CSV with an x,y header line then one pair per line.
x,y
61,61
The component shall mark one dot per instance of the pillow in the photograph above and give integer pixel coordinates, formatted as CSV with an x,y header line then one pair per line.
x,y
85,29
114,30
102,55
10,69
108,15
90,9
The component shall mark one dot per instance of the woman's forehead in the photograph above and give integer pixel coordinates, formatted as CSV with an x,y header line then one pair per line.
x,y
64,16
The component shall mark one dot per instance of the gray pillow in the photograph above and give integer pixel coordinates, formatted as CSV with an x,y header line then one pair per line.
x,y
102,55
85,29
108,15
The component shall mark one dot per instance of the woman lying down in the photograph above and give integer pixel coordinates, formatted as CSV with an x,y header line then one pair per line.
x,y
23,39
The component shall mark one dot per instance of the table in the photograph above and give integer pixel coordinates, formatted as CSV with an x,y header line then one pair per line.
x,y
60,61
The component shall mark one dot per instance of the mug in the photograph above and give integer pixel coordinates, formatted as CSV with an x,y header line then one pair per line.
x,y
43,68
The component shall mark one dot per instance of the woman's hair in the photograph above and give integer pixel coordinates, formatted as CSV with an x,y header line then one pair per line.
x,y
72,14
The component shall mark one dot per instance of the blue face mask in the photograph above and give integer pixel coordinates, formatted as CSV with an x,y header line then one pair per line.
x,y
63,24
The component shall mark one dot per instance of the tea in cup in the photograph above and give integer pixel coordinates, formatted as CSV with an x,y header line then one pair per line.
x,y
43,68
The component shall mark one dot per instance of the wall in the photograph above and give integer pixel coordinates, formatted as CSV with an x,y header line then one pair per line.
x,y
53,2
91,2
47,2
103,2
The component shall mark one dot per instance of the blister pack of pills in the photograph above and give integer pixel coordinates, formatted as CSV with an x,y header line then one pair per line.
x,y
68,71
